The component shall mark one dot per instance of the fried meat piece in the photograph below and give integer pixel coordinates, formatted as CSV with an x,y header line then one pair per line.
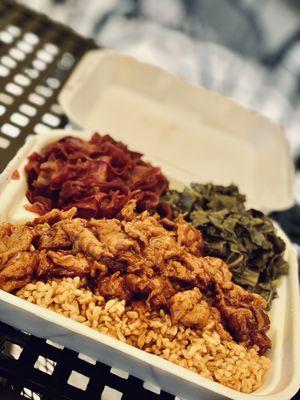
x,y
128,212
243,316
189,308
144,227
52,237
83,239
110,233
63,264
13,239
158,290
189,237
54,216
114,286
18,271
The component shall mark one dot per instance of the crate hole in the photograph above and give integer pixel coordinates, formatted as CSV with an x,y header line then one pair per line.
x,y
3,71
29,394
51,48
6,99
19,119
32,73
44,91
41,128
56,108
14,30
31,38
15,349
111,394
2,109
4,143
51,120
10,130
78,380
87,359
38,64
6,37
54,344
44,56
119,372
152,388
17,54
28,110
11,348
14,89
66,61
8,62
24,46
36,99
45,365
53,83
22,80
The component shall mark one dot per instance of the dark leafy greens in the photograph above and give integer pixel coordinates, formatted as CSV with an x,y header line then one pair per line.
x,y
245,239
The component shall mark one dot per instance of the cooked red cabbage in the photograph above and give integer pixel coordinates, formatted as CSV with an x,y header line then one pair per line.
x,y
98,177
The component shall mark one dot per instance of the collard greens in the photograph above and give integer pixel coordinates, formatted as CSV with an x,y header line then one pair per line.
x,y
245,239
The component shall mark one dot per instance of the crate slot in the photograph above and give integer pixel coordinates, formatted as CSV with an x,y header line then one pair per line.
x,y
78,380
3,71
53,83
87,359
53,344
31,38
110,393
119,372
8,62
19,119
10,130
2,109
14,89
45,56
44,91
6,37
39,64
17,54
6,99
32,73
36,99
14,30
4,143
45,365
41,128
22,80
25,46
29,394
51,48
28,110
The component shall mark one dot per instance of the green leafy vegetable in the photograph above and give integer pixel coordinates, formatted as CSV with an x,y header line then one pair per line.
x,y
245,239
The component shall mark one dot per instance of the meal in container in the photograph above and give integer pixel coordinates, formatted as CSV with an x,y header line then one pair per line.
x,y
187,276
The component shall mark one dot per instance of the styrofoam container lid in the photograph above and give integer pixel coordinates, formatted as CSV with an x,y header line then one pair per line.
x,y
202,135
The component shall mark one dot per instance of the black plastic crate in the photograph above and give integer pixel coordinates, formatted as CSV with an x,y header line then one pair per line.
x,y
36,57
40,369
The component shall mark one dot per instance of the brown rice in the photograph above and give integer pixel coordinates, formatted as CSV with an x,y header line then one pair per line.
x,y
203,352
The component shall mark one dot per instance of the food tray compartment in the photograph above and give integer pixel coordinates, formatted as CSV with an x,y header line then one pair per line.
x,y
280,382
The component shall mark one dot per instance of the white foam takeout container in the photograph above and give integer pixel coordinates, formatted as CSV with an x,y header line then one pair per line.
x,y
194,135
